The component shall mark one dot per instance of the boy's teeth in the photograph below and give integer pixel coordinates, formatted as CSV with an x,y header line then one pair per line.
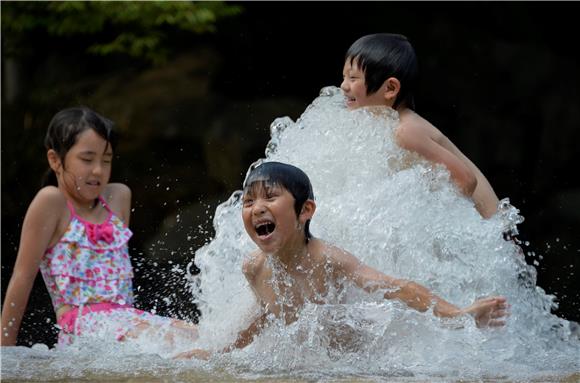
x,y
265,228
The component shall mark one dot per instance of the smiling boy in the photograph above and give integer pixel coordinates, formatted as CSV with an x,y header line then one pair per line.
x,y
291,268
381,70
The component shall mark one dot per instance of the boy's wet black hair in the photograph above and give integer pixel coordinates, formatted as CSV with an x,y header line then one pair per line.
x,y
291,178
65,127
385,55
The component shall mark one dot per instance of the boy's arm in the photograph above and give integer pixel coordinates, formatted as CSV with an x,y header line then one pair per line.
x,y
412,294
250,269
247,336
414,138
484,196
487,312
244,338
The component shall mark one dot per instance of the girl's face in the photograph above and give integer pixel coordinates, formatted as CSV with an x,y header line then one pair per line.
x,y
355,89
270,219
87,168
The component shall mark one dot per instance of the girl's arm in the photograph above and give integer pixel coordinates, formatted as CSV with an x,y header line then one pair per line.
x,y
38,230
487,311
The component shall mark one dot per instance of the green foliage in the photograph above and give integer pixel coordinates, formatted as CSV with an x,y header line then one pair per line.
x,y
140,29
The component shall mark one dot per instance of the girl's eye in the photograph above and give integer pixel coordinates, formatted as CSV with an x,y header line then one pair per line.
x,y
248,202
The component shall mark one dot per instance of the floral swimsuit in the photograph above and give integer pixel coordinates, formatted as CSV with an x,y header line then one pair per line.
x,y
89,268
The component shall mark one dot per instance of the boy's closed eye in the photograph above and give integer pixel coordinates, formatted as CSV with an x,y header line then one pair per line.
x,y
271,195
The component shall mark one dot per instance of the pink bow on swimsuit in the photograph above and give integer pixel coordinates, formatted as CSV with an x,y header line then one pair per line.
x,y
103,232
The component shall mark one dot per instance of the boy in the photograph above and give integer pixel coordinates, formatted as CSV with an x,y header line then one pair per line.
x,y
291,267
381,69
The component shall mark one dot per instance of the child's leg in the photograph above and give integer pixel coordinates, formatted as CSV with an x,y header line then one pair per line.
x,y
123,323
155,326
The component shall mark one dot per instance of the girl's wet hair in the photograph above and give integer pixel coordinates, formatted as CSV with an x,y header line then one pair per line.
x,y
385,55
291,178
65,127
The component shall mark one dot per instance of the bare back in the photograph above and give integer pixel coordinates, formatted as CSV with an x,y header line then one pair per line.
x,y
419,135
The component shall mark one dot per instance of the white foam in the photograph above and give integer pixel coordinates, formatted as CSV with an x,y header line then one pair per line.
x,y
403,216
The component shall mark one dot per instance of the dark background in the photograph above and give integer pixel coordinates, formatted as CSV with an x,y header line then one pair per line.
x,y
501,80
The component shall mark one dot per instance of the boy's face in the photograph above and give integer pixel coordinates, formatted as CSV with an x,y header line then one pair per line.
x,y
269,217
355,89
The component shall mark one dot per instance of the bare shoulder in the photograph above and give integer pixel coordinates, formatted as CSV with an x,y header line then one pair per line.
x,y
414,129
334,255
47,213
118,197
117,191
252,264
50,199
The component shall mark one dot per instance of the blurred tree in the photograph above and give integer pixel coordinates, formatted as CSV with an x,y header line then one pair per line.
x,y
137,29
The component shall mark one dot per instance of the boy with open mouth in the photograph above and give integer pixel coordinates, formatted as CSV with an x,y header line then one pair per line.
x,y
291,268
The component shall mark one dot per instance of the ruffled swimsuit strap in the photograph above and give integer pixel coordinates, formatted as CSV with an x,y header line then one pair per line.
x,y
74,214
88,223
105,205
71,208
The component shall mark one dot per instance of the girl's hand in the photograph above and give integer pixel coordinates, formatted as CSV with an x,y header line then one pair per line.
x,y
195,353
489,312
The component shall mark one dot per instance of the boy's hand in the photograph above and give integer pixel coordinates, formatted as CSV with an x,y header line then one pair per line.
x,y
195,353
489,312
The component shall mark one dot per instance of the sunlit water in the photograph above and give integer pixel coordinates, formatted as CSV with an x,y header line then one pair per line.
x,y
398,214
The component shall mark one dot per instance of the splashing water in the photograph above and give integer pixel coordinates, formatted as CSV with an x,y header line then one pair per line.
x,y
397,213
403,216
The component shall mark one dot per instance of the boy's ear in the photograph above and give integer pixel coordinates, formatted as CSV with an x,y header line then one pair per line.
x,y
308,209
54,160
391,89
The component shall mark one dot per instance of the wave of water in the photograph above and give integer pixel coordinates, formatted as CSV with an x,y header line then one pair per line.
x,y
403,216
398,214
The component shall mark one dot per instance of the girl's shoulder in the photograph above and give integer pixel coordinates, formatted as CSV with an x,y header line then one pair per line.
x,y
117,190
48,211
49,197
118,198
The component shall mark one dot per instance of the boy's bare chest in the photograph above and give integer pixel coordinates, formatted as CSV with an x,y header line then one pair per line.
x,y
285,294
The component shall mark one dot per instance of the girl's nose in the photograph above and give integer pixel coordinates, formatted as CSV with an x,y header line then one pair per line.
x,y
97,169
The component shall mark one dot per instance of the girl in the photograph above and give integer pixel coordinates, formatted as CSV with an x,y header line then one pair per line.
x,y
76,232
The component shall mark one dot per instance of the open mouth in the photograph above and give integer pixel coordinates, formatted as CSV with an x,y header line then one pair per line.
x,y
265,228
